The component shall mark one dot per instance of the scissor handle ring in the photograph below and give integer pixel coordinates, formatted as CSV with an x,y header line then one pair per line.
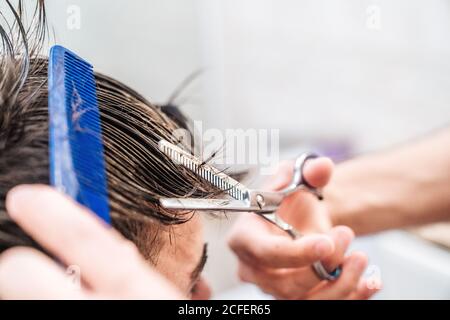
x,y
298,178
323,274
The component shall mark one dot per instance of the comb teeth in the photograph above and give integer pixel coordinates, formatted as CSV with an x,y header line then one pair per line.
x,y
214,176
77,165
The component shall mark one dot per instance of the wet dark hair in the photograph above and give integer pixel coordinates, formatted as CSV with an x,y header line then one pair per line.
x,y
138,172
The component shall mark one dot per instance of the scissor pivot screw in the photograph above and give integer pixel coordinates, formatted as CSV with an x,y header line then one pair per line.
x,y
260,201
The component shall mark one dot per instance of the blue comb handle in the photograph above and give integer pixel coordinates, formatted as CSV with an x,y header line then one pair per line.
x,y
77,164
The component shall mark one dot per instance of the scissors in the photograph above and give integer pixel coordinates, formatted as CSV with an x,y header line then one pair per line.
x,y
263,203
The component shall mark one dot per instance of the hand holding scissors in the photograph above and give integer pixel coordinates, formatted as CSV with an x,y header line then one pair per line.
x,y
278,264
282,267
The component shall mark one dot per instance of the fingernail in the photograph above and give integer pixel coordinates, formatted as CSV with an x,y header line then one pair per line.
x,y
16,196
322,248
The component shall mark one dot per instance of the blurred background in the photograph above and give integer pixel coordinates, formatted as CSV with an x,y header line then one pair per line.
x,y
342,77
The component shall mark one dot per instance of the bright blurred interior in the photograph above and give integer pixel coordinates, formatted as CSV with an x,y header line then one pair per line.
x,y
342,77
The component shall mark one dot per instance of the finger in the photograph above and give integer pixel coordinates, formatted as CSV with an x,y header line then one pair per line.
x,y
342,236
301,209
75,236
317,172
258,246
276,282
307,277
295,283
364,291
26,273
252,274
305,213
347,282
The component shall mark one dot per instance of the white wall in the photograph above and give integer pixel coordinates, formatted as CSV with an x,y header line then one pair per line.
x,y
318,69
151,45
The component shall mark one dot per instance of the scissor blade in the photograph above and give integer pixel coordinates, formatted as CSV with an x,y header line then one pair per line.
x,y
211,174
211,204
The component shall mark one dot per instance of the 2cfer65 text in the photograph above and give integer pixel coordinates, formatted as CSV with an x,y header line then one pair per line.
x,y
231,309
245,309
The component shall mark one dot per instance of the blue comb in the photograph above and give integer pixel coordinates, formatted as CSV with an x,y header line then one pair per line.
x,y
77,164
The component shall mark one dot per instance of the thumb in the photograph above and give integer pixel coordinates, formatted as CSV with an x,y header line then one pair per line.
x,y
317,172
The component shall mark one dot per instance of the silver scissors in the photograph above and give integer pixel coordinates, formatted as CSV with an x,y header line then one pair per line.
x,y
263,203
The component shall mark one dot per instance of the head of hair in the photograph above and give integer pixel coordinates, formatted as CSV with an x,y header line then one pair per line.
x,y
138,173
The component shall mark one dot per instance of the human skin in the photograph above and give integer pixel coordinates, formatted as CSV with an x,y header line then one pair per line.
x,y
281,266
49,225
181,254
110,266
406,186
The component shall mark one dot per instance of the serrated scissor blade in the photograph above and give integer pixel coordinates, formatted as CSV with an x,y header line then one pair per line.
x,y
209,173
